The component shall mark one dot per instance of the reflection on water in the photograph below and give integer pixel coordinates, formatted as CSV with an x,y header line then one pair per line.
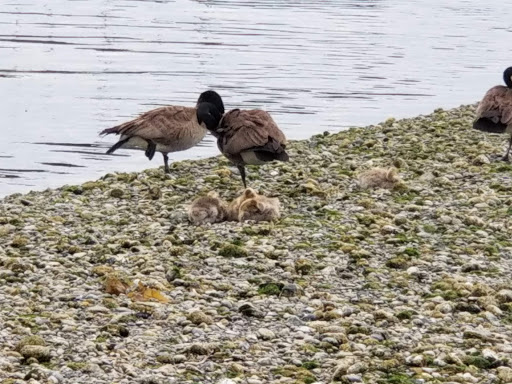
x,y
72,68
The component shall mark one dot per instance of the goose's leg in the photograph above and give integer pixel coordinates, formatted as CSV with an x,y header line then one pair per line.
x,y
241,168
505,157
166,163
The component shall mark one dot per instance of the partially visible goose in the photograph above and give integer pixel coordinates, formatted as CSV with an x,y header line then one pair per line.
x,y
494,112
170,129
250,137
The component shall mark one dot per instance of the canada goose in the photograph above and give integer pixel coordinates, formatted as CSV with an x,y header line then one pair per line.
x,y
207,209
170,129
249,137
494,112
259,208
379,178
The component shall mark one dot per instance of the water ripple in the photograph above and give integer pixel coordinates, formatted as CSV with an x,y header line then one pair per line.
x,y
71,68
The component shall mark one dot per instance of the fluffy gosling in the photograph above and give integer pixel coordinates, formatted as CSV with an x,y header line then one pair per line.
x,y
234,206
208,209
379,178
259,208
252,206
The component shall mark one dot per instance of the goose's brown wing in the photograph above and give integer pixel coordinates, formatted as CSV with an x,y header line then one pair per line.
x,y
163,125
250,129
496,105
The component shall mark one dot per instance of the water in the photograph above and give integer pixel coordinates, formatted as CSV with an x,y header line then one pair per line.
x,y
69,68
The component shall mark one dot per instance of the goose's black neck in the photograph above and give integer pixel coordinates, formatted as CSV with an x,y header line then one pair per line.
x,y
507,76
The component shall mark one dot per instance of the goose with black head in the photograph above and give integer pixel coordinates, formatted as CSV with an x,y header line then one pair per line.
x,y
171,128
494,112
250,137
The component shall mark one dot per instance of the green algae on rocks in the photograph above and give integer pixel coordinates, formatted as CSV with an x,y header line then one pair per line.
x,y
405,285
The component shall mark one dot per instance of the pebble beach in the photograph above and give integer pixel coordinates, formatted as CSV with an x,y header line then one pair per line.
x,y
108,282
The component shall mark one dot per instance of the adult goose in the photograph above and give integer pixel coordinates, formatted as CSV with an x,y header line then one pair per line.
x,y
171,128
250,137
494,112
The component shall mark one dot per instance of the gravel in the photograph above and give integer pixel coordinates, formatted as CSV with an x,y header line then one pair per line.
x,y
108,281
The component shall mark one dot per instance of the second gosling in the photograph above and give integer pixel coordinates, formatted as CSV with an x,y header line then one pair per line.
x,y
259,208
252,206
208,209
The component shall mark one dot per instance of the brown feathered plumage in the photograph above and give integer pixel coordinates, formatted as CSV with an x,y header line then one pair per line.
x,y
494,112
250,137
169,129
166,129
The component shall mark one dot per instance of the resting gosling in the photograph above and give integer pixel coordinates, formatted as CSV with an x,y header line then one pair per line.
x,y
169,129
249,137
208,209
234,206
494,112
259,208
379,178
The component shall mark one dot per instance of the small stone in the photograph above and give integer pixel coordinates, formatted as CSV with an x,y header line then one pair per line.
x,y
266,334
290,290
123,331
199,317
347,310
342,367
478,333
236,368
416,360
481,160
354,378
389,229
471,267
226,381
474,220
294,320
39,352
202,349
444,307
303,266
505,374
248,309
490,355
177,359
116,192
358,367
29,340
400,219
165,358
504,296
98,309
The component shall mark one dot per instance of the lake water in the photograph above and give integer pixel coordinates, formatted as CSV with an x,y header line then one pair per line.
x,y
69,68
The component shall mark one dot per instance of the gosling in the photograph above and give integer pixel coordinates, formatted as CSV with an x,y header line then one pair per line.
x,y
169,129
260,208
494,112
208,209
234,206
249,137
379,178
252,206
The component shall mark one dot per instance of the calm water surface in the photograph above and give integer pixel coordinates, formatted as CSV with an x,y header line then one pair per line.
x,y
69,68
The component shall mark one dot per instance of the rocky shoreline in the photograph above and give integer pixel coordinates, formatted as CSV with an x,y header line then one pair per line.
x,y
107,282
